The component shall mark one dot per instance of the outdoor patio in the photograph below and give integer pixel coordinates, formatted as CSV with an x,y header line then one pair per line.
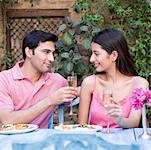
x,y
75,22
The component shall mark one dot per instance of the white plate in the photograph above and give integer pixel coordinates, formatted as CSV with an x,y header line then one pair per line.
x,y
31,127
77,127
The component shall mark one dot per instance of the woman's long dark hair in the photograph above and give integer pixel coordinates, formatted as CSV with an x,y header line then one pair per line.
x,y
113,40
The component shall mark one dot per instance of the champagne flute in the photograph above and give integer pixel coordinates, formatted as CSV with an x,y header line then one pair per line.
x,y
72,81
107,100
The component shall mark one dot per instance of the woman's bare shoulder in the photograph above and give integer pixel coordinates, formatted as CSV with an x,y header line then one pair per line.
x,y
88,84
140,82
89,80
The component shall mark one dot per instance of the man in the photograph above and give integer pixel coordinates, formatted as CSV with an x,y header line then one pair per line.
x,y
28,92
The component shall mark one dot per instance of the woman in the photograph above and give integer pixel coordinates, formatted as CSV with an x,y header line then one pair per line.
x,y
116,70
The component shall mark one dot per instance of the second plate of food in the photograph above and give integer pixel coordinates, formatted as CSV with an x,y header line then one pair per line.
x,y
79,127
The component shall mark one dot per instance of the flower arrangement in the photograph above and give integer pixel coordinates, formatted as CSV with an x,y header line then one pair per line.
x,y
140,97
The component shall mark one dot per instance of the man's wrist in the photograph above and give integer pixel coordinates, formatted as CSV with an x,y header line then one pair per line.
x,y
49,101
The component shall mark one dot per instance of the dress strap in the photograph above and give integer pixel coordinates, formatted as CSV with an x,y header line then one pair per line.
x,y
134,82
94,82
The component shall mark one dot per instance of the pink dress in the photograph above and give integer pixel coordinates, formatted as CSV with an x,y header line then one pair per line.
x,y
97,110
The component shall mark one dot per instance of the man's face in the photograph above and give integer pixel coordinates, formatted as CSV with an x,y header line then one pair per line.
x,y
43,56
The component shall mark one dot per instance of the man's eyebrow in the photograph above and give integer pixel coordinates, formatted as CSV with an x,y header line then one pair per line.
x,y
48,50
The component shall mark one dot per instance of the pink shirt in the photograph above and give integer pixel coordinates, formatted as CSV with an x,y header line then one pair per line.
x,y
17,92
97,111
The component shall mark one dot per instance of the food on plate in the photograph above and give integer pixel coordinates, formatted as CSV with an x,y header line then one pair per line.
x,y
6,127
82,127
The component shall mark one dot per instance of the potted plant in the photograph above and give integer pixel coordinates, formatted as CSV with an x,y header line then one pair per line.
x,y
73,48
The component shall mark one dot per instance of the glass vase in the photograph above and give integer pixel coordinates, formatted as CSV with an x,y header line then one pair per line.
x,y
144,135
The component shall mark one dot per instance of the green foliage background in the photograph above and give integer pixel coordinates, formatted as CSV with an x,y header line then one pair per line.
x,y
132,17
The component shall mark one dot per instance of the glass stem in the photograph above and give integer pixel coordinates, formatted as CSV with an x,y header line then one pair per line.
x,y
144,119
108,127
71,109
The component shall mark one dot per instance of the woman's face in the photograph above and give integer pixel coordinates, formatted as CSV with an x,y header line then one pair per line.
x,y
100,58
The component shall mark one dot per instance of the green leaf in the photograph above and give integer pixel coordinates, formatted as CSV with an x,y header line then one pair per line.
x,y
76,22
80,68
86,43
59,43
75,47
1,45
72,32
68,67
65,55
95,30
68,19
76,57
66,38
62,27
84,28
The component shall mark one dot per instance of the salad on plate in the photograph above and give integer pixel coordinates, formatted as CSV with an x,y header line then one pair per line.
x,y
78,127
17,128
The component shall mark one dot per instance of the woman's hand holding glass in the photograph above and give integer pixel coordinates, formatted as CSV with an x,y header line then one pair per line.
x,y
115,112
113,108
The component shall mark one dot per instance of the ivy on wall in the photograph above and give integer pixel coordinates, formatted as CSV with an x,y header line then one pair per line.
x,y
130,16
134,20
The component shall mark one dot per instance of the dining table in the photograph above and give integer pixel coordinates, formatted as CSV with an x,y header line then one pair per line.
x,y
52,139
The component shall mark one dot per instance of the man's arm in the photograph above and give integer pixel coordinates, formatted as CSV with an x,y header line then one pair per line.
x,y
25,116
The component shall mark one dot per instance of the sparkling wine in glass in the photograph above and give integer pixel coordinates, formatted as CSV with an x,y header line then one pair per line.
x,y
107,100
72,81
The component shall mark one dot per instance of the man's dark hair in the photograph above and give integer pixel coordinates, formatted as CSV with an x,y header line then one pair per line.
x,y
112,39
33,38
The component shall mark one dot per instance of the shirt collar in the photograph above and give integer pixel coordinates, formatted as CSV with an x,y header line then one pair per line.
x,y
17,73
46,76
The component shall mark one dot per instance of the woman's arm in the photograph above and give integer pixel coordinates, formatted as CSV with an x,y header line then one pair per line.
x,y
85,99
116,113
135,115
132,121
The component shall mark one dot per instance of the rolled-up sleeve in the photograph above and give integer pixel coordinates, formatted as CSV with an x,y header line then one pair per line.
x,y
5,95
